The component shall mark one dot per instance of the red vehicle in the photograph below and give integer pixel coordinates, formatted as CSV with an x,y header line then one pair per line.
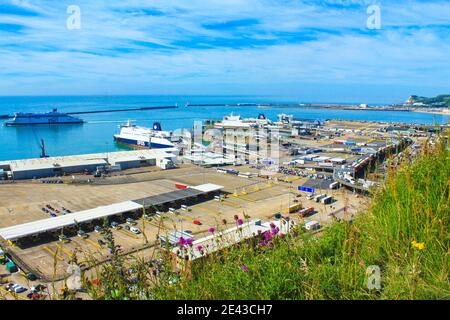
x,y
197,222
305,212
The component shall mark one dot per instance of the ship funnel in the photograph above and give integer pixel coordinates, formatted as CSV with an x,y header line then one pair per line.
x,y
157,126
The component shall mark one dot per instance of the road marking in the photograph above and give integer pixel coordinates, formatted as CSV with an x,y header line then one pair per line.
x,y
70,255
14,295
130,234
246,199
229,203
53,253
207,210
93,243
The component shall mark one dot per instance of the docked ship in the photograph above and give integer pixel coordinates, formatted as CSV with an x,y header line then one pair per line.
x,y
53,117
142,137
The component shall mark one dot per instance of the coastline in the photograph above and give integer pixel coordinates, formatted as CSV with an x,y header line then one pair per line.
x,y
445,112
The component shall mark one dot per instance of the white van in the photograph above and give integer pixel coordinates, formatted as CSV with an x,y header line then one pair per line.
x,y
312,225
135,230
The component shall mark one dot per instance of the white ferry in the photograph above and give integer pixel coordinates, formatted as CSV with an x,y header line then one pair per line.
x,y
53,117
238,122
142,137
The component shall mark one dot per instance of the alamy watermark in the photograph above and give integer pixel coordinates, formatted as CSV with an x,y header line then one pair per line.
x,y
373,274
73,22
374,19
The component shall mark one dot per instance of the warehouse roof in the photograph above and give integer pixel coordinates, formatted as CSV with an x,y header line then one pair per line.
x,y
89,159
178,195
51,224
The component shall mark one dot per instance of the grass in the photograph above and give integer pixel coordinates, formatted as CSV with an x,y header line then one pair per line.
x,y
404,232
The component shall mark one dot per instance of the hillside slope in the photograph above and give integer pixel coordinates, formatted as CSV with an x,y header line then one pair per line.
x,y
405,233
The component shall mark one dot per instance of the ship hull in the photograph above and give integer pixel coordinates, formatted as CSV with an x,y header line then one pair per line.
x,y
141,144
15,124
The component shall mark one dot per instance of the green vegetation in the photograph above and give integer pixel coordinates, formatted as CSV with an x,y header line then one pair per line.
x,y
440,101
404,232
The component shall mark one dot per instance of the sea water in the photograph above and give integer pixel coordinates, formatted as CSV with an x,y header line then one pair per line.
x,y
96,135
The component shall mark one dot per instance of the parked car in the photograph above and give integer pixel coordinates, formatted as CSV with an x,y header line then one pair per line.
x,y
82,234
35,296
130,221
135,230
63,238
38,288
114,225
17,288
98,229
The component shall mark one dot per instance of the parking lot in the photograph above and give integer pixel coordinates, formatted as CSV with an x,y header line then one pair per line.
x,y
251,198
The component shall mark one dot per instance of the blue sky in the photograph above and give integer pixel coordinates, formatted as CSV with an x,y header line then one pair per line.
x,y
314,50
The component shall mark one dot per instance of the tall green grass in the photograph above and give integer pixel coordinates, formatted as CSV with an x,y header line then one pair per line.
x,y
404,232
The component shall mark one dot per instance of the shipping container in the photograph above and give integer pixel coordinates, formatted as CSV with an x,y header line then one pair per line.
x,y
326,200
312,225
11,267
294,208
305,212
334,185
319,197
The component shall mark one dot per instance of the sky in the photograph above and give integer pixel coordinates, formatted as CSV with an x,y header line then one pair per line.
x,y
314,50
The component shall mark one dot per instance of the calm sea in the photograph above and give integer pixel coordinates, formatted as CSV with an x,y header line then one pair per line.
x,y
96,135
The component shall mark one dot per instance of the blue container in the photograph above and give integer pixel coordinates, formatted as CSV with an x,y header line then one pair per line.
x,y
278,216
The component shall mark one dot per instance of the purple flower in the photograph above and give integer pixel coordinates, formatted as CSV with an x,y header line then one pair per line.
x,y
189,242
182,241
244,268
262,243
270,244
274,232
200,248
267,236
282,235
240,222
212,230
272,225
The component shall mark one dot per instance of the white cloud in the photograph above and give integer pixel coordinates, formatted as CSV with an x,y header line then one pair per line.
x,y
46,58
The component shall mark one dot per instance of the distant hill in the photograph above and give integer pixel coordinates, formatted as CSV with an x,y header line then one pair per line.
x,y
440,101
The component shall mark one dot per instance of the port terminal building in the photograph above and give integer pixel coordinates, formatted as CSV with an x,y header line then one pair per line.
x,y
60,166
35,228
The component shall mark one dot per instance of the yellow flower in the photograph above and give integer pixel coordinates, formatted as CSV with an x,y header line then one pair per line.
x,y
418,245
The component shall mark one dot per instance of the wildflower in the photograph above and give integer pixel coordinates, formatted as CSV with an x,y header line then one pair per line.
x,y
200,248
274,232
272,225
418,245
240,222
262,243
212,230
267,236
282,235
244,268
189,242
182,242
